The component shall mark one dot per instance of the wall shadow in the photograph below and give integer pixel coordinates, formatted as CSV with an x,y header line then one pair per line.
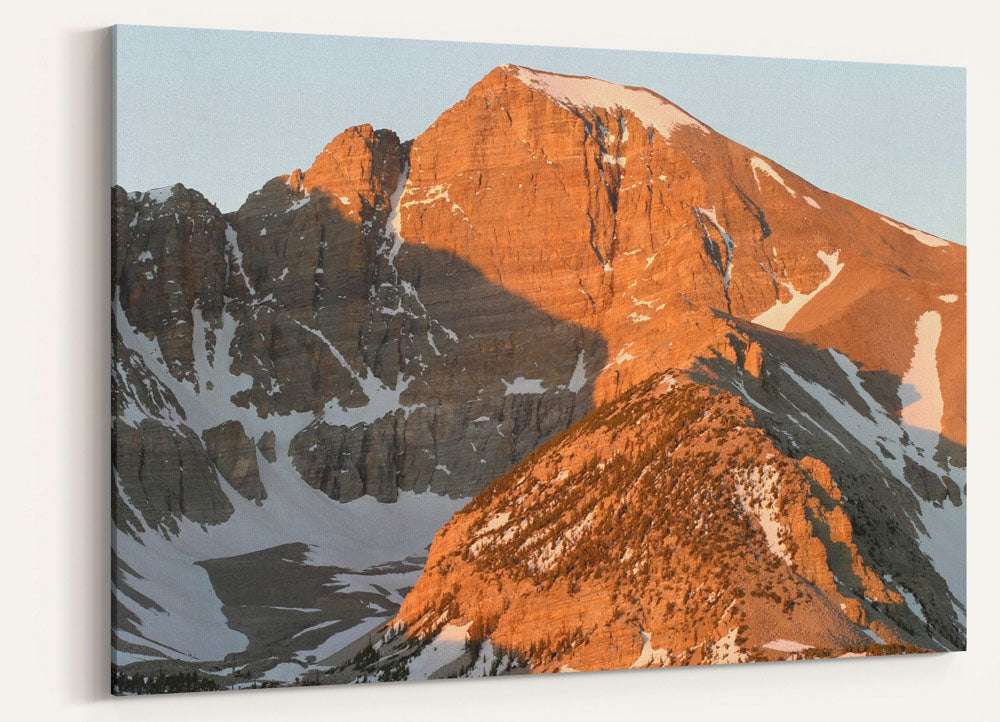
x,y
84,667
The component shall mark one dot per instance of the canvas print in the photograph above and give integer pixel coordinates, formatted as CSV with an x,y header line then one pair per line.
x,y
437,360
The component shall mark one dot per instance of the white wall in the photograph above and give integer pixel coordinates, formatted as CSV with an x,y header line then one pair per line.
x,y
54,408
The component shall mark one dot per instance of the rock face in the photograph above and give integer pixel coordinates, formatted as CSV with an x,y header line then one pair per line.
x,y
422,316
166,474
169,263
266,446
235,456
614,209
905,495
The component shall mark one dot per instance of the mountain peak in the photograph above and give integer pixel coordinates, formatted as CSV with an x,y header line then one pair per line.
x,y
350,160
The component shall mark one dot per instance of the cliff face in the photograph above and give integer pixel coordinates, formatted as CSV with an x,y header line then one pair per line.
x,y
422,316
614,209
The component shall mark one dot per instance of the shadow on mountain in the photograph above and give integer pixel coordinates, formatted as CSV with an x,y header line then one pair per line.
x,y
421,374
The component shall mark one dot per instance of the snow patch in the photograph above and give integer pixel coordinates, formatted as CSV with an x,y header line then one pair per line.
x,y
782,312
622,356
579,377
786,645
394,223
875,637
759,164
336,642
444,649
650,656
926,238
487,661
160,195
546,557
298,203
432,194
496,522
120,658
913,604
521,385
945,544
579,92
382,400
233,248
920,392
286,672
726,238
758,492
726,650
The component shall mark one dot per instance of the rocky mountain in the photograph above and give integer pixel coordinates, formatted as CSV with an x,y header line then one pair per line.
x,y
666,368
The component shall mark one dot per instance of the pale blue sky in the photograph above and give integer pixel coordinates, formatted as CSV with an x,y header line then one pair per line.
x,y
225,111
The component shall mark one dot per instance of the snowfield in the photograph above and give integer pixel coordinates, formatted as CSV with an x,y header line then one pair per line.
x,y
358,535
